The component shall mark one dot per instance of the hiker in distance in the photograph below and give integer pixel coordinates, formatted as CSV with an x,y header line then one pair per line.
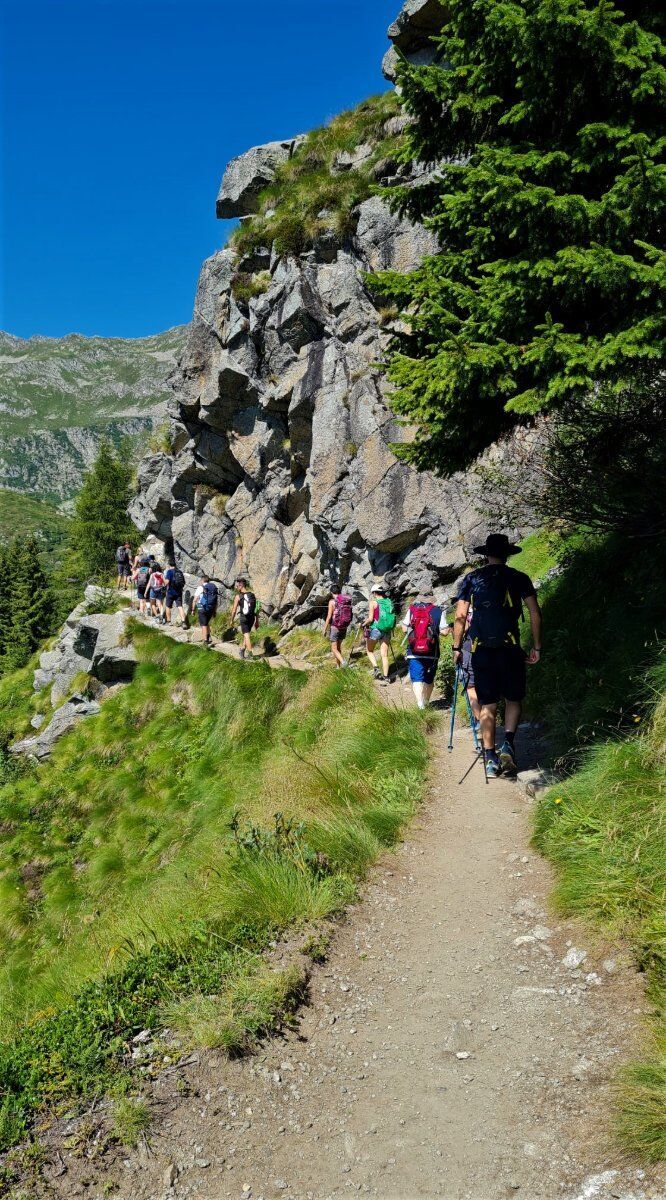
x,y
378,628
497,592
123,565
141,576
336,626
156,590
424,625
245,608
205,602
175,583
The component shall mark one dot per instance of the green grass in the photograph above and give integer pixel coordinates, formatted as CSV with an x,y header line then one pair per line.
x,y
144,864
604,828
308,198
131,1119
25,516
604,624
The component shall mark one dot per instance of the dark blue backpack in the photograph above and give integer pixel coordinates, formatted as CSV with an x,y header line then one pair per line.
x,y
209,596
498,607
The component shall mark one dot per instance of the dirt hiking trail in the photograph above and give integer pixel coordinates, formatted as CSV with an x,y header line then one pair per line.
x,y
447,1050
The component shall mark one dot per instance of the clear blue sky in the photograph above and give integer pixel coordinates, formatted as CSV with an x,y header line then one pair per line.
x,y
118,117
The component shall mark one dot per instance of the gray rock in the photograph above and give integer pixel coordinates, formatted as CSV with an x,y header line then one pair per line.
x,y
411,33
37,721
390,242
247,175
62,722
102,638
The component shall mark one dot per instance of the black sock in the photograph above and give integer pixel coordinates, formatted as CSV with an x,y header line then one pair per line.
x,y
492,754
510,738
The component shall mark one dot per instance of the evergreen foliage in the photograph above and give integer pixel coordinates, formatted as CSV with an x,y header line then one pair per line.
x,y
26,603
100,521
547,122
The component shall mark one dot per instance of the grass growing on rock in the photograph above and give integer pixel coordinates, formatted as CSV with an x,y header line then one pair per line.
x,y
604,828
309,196
144,865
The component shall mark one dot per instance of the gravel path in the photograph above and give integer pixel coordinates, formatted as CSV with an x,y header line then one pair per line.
x,y
460,1042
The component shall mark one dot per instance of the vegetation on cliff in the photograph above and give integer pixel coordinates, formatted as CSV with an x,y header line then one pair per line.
x,y
547,120
314,194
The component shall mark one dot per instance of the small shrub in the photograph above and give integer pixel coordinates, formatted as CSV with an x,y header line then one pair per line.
x,y
159,441
351,449
131,1118
257,1003
245,286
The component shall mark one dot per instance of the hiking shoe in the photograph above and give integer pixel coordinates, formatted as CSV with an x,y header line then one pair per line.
x,y
242,653
507,759
493,768
376,673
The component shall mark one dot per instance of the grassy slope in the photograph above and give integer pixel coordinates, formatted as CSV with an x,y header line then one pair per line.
x,y
123,855
22,515
601,689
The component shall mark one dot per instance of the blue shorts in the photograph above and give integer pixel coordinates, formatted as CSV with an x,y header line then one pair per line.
x,y
377,635
422,670
174,598
156,594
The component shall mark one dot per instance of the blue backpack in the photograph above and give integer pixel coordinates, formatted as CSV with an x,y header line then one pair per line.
x,y
209,596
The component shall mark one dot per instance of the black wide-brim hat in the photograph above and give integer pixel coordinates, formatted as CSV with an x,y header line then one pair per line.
x,y
497,546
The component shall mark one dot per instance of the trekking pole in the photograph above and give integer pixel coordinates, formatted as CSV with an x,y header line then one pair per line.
x,y
472,718
454,702
481,755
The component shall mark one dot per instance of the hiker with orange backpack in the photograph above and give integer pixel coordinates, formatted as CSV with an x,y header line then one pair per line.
x,y
424,625
378,628
338,619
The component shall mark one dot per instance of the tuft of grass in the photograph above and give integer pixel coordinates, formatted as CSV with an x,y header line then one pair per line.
x,y
159,441
308,199
131,1119
245,286
257,1003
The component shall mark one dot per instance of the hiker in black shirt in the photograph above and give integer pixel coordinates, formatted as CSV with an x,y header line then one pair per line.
x,y
496,592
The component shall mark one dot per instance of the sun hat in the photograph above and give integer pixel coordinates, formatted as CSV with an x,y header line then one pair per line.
x,y
379,589
497,545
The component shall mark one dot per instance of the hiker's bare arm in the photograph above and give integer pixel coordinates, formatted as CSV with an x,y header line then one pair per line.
x,y
234,607
535,623
462,609
329,615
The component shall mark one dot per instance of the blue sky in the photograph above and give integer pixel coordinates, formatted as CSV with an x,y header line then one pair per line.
x,y
118,117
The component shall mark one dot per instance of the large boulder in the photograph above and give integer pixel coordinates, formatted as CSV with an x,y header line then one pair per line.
x,y
67,716
247,175
411,34
102,640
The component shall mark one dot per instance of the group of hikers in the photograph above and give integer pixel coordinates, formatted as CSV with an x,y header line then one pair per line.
x,y
485,640
489,661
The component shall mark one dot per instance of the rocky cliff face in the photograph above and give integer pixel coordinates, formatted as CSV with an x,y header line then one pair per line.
x,y
282,467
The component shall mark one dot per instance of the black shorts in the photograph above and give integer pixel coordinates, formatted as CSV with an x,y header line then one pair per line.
x,y
141,590
174,598
499,674
246,626
124,570
206,615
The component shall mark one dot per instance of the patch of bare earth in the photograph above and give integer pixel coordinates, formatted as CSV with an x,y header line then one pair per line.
x,y
456,1044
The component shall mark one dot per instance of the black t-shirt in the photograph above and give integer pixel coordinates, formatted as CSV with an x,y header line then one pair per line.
x,y
497,585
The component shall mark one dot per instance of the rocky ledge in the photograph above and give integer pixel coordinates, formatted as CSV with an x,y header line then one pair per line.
x,y
282,466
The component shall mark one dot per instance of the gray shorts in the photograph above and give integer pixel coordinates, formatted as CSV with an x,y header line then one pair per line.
x,y
336,635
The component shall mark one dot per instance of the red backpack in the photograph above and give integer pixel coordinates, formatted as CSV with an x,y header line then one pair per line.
x,y
342,613
423,636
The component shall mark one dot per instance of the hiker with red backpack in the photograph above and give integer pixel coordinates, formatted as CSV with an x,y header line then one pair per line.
x,y
424,625
378,628
497,592
338,620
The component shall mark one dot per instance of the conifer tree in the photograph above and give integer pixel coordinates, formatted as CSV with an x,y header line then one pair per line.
x,y
5,600
100,521
32,603
547,118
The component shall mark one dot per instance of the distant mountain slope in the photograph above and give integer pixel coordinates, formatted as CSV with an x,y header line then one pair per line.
x,y
22,515
60,396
